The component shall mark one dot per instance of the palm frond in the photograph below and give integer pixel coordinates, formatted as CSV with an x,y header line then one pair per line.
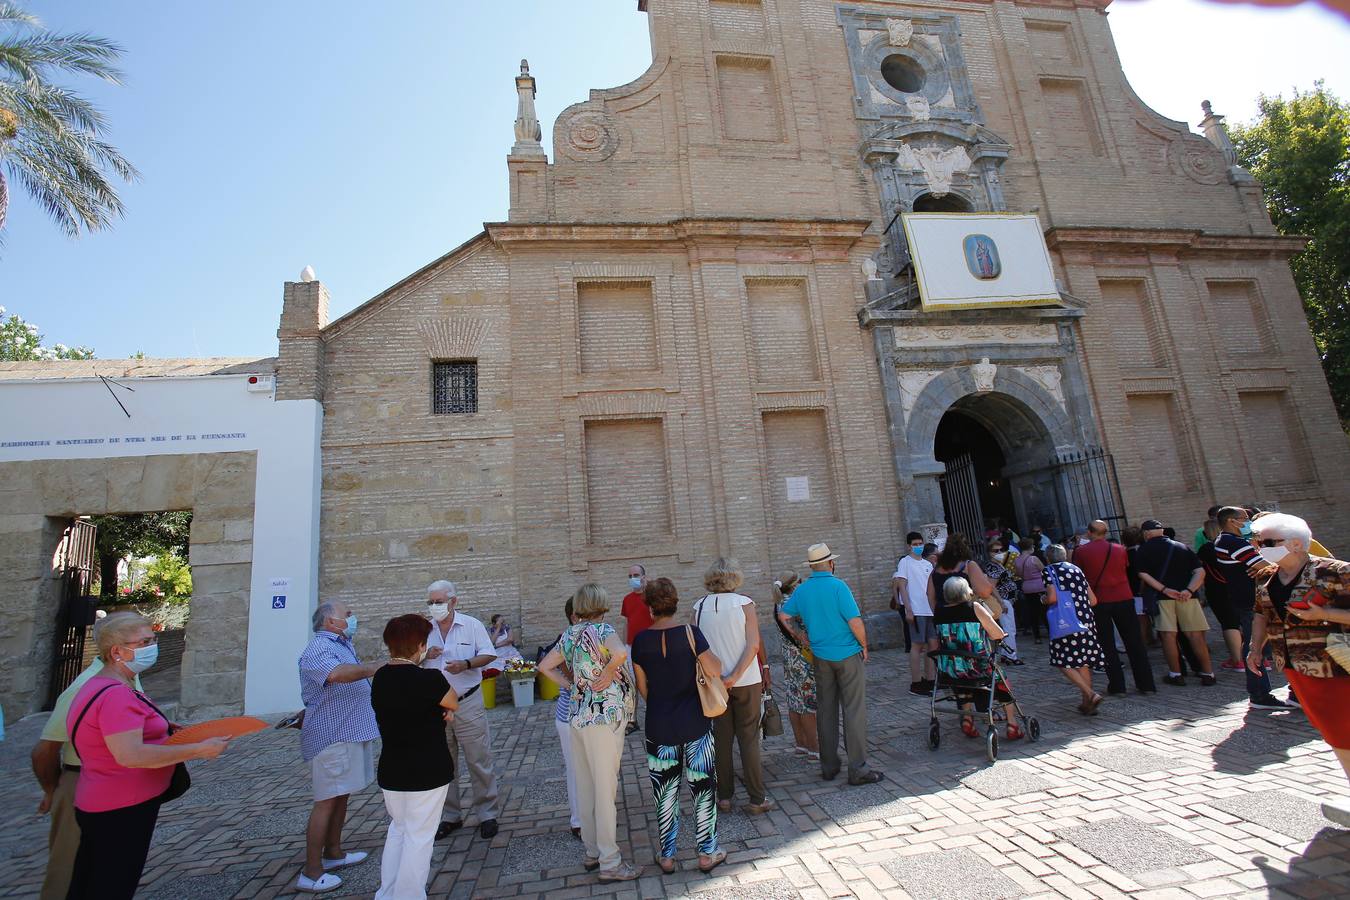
x,y
12,14
45,54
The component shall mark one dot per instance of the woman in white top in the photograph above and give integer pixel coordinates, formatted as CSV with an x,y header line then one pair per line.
x,y
727,619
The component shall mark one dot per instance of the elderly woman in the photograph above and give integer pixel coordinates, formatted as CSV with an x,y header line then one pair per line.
x,y
801,674
503,641
962,624
1074,647
602,707
126,768
728,620
1029,570
411,707
1303,610
666,659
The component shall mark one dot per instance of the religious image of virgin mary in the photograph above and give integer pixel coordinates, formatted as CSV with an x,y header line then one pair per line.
x,y
982,257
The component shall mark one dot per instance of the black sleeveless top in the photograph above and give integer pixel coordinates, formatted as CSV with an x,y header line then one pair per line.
x,y
939,580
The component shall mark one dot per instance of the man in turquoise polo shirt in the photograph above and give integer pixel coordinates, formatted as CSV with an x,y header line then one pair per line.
x,y
834,627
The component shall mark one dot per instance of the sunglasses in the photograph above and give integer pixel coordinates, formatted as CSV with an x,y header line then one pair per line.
x,y
1272,542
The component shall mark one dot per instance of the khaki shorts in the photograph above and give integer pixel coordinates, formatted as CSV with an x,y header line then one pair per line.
x,y
1181,615
344,768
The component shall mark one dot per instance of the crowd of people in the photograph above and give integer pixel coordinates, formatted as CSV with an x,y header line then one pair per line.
x,y
106,768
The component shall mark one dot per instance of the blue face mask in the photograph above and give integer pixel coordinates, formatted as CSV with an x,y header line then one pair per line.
x,y
350,631
917,551
635,583
145,658
1246,529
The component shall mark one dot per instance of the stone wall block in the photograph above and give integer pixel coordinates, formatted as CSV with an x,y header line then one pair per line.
x,y
221,553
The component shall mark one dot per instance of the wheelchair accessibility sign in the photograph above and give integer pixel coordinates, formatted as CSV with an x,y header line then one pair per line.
x,y
279,591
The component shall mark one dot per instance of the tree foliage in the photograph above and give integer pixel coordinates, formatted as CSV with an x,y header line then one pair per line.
x,y
1299,149
140,534
20,340
51,138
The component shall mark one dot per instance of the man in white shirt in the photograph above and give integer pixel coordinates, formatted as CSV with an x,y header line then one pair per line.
x,y
459,647
911,587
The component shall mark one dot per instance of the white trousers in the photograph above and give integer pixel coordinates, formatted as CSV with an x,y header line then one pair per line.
x,y
596,753
414,816
565,738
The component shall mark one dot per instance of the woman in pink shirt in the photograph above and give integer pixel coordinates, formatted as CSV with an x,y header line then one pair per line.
x,y
125,766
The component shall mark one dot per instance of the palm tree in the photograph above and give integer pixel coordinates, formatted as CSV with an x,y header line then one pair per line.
x,y
51,138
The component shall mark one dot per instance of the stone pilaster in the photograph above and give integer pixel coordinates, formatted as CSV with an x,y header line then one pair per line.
x,y
304,314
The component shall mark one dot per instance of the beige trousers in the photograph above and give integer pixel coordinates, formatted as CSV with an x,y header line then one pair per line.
x,y
596,752
63,840
469,732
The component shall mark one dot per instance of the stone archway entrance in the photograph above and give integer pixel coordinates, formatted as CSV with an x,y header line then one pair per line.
x,y
996,458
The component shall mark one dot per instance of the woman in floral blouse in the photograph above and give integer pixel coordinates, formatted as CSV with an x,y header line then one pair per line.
x,y
1302,609
602,707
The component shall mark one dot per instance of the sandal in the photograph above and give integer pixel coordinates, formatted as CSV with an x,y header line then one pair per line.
x,y
707,863
590,865
1015,732
1095,702
666,865
968,728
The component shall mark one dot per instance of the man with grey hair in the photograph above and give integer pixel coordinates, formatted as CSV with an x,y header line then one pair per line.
x,y
459,646
337,740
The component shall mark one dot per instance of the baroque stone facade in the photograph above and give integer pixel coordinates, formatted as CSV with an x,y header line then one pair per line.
x,y
694,335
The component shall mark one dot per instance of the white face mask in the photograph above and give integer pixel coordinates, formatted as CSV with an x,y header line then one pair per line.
x,y
438,611
1000,557
1273,555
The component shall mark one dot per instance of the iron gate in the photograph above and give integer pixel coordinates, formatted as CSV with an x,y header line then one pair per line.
x,y
961,497
75,613
1086,488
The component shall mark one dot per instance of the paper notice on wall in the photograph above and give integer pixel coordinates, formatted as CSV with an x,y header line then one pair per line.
x,y
798,489
279,589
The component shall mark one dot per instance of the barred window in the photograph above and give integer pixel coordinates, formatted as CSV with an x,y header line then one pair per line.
x,y
454,387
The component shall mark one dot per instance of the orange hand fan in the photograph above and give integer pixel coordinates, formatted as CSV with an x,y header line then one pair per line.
x,y
232,727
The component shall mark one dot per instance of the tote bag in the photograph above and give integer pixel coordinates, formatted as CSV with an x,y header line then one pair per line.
x,y
712,693
1063,616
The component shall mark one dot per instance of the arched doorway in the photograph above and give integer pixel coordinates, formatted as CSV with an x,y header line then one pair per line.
x,y
996,454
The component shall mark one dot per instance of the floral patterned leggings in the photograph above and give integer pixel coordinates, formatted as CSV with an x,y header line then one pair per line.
x,y
695,761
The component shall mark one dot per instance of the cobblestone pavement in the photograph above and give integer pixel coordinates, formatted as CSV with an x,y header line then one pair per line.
x,y
1183,794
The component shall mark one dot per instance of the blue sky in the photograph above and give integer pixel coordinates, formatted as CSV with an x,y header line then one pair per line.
x,y
368,140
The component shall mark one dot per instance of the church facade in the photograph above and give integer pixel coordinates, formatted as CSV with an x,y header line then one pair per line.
x,y
698,331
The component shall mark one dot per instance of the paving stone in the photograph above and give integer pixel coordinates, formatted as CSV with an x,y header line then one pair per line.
x,y
541,852
849,805
951,875
1126,759
771,889
200,887
1006,780
1132,847
1277,810
286,822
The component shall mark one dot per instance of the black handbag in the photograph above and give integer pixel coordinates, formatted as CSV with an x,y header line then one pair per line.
x,y
180,781
771,721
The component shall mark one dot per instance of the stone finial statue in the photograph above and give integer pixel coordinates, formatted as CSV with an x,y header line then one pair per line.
x,y
1214,129
918,108
307,273
528,131
983,372
869,267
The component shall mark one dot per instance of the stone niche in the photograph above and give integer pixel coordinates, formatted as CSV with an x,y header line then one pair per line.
x,y
41,496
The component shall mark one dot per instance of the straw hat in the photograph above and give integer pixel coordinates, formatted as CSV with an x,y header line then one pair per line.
x,y
819,553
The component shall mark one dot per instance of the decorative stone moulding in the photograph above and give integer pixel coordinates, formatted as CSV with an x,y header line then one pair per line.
x,y
453,338
591,136
1048,377
939,167
983,372
911,383
919,108
1201,161
960,335
899,32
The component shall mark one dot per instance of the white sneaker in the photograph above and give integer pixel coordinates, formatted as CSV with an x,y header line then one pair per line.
x,y
321,885
351,859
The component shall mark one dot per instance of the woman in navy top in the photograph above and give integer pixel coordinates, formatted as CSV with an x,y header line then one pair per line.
x,y
679,735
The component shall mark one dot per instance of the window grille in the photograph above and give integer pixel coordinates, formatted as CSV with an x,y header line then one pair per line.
x,y
454,387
